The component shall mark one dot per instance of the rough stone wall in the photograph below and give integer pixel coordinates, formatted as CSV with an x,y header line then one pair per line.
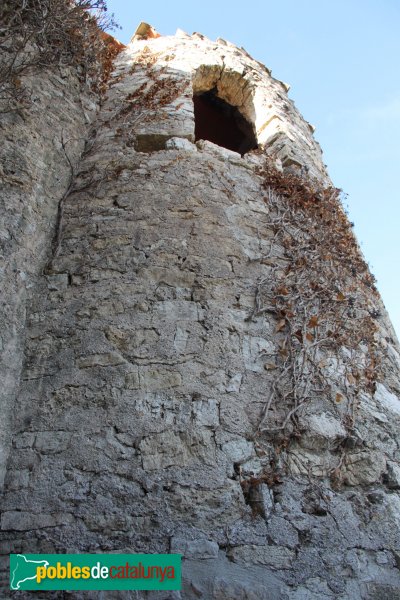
x,y
35,172
151,97
144,378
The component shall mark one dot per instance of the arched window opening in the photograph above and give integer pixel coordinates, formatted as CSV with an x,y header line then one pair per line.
x,y
221,123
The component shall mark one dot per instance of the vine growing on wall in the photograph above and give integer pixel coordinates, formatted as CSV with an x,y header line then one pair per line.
x,y
41,34
323,297
160,89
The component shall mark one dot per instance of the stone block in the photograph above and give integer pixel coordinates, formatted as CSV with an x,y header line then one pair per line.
x,y
254,350
136,343
238,450
226,589
109,359
321,431
282,532
387,400
57,282
24,440
364,468
17,479
180,339
261,500
234,383
393,475
179,310
252,467
194,549
177,143
173,277
24,521
277,557
206,413
52,442
163,450
382,591
218,151
132,381
233,416
154,379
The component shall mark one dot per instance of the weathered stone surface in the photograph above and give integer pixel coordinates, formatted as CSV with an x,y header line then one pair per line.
x,y
35,157
176,143
194,549
21,521
393,475
238,450
109,359
224,580
322,431
282,533
143,417
387,400
277,557
364,468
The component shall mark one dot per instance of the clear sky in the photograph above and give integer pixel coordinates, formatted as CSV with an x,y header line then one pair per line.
x,y
341,59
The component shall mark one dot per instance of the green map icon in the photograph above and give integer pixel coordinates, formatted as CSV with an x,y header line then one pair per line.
x,y
24,569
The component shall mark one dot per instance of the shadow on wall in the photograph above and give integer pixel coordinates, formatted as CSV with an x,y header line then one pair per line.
x,y
221,123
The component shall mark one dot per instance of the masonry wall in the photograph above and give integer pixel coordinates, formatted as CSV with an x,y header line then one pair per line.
x,y
136,427
39,148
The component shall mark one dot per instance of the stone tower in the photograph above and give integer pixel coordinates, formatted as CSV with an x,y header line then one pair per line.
x,y
195,358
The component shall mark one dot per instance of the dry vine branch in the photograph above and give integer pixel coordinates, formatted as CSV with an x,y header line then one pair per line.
x,y
323,299
41,34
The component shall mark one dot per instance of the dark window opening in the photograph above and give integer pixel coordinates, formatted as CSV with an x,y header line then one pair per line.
x,y
223,124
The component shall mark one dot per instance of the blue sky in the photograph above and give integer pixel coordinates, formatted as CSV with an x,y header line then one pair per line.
x,y
341,59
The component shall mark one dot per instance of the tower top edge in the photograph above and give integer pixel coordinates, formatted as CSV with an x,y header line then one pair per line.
x,y
146,31
241,80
